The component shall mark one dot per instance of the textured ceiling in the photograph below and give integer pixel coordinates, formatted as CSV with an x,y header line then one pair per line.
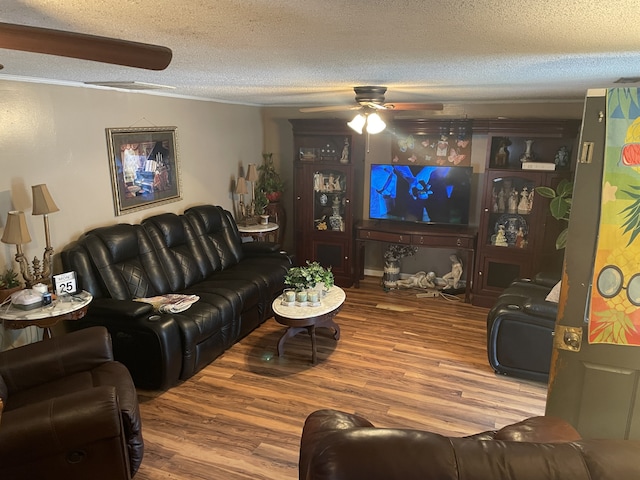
x,y
312,52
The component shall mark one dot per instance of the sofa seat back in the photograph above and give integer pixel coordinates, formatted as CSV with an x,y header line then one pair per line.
x,y
125,262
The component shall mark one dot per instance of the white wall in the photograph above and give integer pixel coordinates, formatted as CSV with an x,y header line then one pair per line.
x,y
55,134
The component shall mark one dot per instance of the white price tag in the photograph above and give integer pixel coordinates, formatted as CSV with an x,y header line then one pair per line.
x,y
65,283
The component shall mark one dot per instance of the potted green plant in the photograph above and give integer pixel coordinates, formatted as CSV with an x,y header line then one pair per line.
x,y
269,180
310,276
560,206
9,283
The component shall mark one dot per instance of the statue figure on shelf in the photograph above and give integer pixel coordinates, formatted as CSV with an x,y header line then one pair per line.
x,y
520,241
453,277
494,201
500,239
419,280
501,201
528,155
345,151
317,182
502,156
523,206
513,201
531,200
562,157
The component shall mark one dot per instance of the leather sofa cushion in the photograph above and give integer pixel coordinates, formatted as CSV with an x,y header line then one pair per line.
x,y
539,429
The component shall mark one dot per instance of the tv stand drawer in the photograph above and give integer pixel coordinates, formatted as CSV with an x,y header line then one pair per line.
x,y
384,236
445,241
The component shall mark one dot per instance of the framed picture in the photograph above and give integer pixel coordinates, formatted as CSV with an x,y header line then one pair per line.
x,y
144,167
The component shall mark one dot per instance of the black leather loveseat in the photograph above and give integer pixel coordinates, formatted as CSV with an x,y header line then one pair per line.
x,y
520,328
199,253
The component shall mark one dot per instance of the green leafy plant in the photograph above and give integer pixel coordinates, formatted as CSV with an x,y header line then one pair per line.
x,y
560,206
269,181
308,276
9,279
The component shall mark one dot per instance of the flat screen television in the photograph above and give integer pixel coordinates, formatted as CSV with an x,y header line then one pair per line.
x,y
418,193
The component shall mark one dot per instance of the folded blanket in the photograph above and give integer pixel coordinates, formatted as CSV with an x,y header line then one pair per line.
x,y
170,303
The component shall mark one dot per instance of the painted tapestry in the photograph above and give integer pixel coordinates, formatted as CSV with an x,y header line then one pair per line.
x,y
615,297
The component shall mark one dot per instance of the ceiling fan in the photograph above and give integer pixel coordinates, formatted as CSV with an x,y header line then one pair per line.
x,y
84,46
370,100
373,97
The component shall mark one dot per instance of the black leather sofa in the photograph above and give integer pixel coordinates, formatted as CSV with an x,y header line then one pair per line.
x,y
199,252
520,328
338,446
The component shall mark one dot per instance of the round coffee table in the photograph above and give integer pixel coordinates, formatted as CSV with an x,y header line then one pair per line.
x,y
299,319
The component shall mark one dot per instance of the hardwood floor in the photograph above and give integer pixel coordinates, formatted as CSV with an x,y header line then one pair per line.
x,y
401,361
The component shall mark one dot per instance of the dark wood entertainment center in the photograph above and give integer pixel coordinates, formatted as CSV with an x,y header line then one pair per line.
x,y
429,236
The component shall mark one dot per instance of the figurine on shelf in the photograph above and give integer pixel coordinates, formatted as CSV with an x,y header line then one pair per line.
x,y
523,206
520,241
501,204
345,151
494,201
513,201
502,156
562,157
500,239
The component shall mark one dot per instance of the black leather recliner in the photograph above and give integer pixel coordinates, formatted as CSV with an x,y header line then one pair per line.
x,y
520,328
200,252
71,412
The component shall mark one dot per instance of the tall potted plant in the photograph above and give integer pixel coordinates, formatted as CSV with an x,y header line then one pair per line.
x,y
271,186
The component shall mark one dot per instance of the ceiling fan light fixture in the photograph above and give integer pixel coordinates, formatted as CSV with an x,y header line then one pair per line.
x,y
357,123
375,124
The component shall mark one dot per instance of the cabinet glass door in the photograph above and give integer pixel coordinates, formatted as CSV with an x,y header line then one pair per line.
x,y
329,200
512,199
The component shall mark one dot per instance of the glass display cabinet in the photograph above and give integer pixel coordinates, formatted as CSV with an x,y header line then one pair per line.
x,y
325,199
517,234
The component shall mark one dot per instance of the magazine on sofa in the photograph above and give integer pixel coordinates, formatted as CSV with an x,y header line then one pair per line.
x,y
170,303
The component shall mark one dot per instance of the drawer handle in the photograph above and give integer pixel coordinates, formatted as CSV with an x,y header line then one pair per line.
x,y
459,242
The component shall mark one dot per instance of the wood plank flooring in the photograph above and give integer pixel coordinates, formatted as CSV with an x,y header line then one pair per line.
x,y
401,361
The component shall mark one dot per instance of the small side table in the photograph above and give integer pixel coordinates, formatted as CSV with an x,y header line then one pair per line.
x,y
260,232
299,319
73,308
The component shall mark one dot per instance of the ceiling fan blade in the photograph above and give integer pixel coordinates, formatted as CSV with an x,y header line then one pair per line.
x,y
414,106
330,108
84,46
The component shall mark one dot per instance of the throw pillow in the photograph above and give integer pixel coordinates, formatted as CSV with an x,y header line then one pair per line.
x,y
554,294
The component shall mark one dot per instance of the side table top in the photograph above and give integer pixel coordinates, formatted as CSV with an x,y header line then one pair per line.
x,y
56,309
258,228
332,300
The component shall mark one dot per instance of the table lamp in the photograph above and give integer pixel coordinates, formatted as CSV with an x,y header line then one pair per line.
x,y
16,233
241,190
252,176
43,205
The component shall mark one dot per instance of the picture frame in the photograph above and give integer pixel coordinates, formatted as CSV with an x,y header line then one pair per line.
x,y
144,166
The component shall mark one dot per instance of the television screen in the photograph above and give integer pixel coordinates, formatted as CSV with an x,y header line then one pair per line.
x,y
418,193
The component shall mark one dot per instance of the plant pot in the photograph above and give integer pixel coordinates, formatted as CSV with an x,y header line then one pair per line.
x,y
273,196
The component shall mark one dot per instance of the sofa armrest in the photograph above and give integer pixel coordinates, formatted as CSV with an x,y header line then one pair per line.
x,y
110,307
150,346
541,308
41,362
80,431
260,248
547,279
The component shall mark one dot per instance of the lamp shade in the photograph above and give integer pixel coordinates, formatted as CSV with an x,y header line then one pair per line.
x,y
357,123
241,186
252,173
42,201
16,231
375,124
